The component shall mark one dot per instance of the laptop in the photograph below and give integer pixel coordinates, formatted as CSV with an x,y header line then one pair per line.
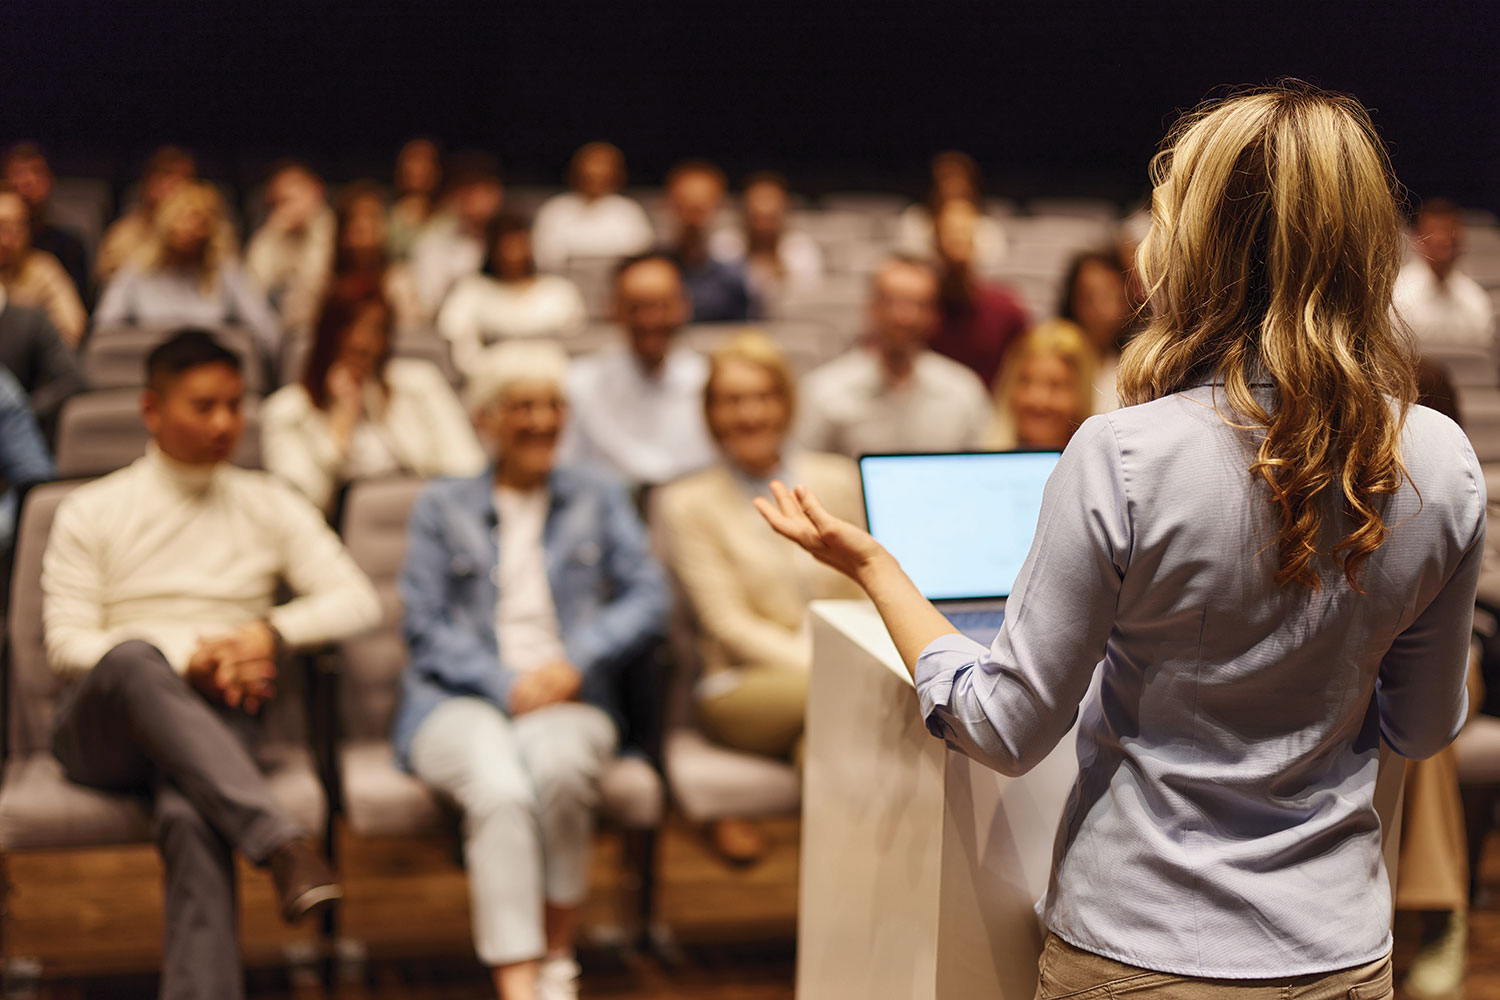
x,y
960,524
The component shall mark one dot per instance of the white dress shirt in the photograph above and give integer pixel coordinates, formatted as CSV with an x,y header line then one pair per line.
x,y
648,429
1451,313
1222,823
440,257
481,310
174,554
569,226
849,406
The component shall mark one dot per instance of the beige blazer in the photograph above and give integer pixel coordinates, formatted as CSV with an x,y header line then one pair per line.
x,y
748,588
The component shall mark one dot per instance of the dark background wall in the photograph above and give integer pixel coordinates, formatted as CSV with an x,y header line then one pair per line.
x,y
1051,97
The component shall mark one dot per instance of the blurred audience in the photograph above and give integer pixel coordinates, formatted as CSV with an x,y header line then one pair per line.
x,y
184,274
777,259
955,176
509,703
32,351
593,219
32,277
1045,390
25,168
452,244
158,585
892,393
719,290
637,407
508,298
747,588
168,167
24,458
1096,296
359,265
419,174
979,318
288,255
1443,306
360,413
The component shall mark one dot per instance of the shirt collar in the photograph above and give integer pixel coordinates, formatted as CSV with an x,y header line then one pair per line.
x,y
189,479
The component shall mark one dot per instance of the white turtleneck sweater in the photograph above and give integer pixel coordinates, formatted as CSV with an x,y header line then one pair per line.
x,y
174,554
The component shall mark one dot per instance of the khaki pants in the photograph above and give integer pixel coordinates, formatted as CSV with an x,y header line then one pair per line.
x,y
1066,971
763,713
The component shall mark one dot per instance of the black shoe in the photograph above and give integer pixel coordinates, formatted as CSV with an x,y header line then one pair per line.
x,y
304,881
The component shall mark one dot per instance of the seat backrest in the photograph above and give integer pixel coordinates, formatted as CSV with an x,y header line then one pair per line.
x,y
374,529
115,356
426,345
99,432
32,689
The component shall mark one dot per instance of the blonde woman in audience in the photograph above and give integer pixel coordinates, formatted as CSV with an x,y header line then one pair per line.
x,y
186,274
1096,296
508,298
1045,390
31,277
748,590
167,168
527,592
359,413
419,175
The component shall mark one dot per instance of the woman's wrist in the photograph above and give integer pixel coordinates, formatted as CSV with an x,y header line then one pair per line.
x,y
876,569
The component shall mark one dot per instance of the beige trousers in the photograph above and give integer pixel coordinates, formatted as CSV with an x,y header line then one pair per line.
x,y
763,713
1066,971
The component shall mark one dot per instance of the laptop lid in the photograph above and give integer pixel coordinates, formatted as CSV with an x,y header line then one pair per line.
x,y
960,524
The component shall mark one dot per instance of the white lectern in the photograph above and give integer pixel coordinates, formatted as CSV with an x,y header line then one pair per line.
x,y
920,868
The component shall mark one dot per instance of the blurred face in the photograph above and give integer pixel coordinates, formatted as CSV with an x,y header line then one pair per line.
x,y
160,183
364,342
748,415
598,171
765,210
951,180
525,424
953,234
195,418
477,203
696,199
1101,302
417,168
295,197
1439,238
32,179
903,309
651,305
15,237
364,225
513,255
1044,402
189,230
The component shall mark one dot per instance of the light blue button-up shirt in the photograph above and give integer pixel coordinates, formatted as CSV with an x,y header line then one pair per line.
x,y
1222,823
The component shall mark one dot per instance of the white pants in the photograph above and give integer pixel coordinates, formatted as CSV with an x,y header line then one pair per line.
x,y
528,788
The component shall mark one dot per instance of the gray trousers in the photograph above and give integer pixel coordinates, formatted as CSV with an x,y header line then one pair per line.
x,y
528,788
134,725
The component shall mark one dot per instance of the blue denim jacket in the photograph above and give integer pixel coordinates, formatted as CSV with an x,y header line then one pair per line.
x,y
610,595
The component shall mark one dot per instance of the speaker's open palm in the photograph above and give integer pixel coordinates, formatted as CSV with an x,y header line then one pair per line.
x,y
798,515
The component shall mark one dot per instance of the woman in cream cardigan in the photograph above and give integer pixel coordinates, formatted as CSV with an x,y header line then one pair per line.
x,y
748,589
359,413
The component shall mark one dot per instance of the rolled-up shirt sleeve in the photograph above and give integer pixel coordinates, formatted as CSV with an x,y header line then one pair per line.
x,y
1008,706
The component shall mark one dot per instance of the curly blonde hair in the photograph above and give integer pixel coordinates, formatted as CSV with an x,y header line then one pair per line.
x,y
1273,250
186,197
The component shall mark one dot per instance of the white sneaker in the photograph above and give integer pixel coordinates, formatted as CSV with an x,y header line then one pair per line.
x,y
558,979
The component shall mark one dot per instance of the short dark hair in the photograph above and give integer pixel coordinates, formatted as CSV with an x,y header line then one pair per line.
x,y
700,167
504,224
1444,208
184,350
26,149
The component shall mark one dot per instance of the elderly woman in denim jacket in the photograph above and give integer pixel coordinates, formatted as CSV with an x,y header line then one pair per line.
x,y
526,590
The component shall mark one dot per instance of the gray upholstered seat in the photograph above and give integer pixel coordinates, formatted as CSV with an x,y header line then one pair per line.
x,y
99,432
378,798
115,357
39,807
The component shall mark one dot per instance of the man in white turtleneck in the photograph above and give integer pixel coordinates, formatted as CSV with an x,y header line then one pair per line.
x,y
158,582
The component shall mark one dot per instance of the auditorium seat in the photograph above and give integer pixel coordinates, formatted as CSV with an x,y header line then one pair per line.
x,y
39,808
114,357
379,800
425,345
99,432
1096,209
